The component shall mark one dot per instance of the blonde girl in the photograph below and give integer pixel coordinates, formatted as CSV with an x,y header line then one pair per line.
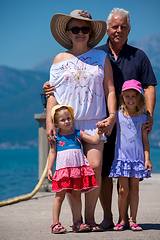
x,y
73,173
132,152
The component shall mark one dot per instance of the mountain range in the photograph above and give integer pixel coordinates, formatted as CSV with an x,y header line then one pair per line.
x,y
20,98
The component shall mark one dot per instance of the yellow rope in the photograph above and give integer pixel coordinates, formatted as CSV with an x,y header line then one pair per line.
x,y
29,195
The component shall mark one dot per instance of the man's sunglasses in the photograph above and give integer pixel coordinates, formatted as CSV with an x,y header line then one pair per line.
x,y
76,30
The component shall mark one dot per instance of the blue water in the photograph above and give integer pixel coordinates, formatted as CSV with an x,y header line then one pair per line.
x,y
19,171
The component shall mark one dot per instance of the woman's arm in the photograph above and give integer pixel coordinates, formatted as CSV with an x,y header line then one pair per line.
x,y
110,98
47,88
50,129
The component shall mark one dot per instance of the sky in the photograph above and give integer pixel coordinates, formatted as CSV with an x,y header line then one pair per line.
x,y
25,37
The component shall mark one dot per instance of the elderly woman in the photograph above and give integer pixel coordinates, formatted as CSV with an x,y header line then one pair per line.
x,y
83,80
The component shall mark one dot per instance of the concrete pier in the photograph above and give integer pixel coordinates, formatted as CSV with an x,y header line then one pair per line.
x,y
43,148
31,219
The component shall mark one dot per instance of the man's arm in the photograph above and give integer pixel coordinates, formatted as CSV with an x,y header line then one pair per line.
x,y
150,96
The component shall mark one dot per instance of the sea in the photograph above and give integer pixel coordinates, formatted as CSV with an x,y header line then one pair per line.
x,y
19,170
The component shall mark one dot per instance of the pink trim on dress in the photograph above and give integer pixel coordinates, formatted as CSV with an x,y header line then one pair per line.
x,y
81,178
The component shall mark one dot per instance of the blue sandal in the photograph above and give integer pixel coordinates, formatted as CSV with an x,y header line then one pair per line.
x,y
120,226
133,227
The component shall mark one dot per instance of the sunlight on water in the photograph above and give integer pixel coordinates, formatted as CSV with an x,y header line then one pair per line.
x,y
19,171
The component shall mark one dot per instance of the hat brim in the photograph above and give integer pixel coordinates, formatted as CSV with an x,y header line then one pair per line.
x,y
58,29
53,111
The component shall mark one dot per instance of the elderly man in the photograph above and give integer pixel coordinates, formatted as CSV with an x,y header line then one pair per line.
x,y
127,63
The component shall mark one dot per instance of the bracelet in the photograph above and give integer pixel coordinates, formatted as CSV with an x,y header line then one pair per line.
x,y
112,113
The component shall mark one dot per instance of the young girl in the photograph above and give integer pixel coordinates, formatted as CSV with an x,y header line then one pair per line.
x,y
73,173
132,152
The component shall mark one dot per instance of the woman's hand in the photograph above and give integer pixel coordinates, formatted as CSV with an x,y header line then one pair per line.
x,y
106,125
48,89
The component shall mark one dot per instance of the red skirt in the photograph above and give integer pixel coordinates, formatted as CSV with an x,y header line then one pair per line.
x,y
74,178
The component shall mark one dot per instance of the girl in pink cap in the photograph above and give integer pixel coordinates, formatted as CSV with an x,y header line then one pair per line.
x,y
132,152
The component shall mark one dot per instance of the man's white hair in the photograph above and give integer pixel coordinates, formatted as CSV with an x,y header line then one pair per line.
x,y
119,11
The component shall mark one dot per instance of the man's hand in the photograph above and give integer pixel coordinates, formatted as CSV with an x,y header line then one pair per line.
x,y
50,131
148,125
48,89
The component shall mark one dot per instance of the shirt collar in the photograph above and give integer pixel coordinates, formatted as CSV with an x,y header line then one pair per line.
x,y
111,56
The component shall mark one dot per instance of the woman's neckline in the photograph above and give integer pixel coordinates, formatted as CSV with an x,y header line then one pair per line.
x,y
74,57
71,51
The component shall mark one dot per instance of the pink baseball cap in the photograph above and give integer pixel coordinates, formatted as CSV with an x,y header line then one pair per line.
x,y
132,84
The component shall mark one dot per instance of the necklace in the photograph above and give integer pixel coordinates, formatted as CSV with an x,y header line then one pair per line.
x,y
127,114
133,127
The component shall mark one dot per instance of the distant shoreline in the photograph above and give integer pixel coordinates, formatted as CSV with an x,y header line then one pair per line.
x,y
34,145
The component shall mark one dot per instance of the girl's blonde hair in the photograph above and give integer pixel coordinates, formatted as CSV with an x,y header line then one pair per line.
x,y
141,103
55,117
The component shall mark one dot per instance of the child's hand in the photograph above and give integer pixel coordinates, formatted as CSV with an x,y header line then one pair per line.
x,y
149,165
50,175
106,125
100,124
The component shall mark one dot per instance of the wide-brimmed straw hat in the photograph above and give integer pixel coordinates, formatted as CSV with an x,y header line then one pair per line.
x,y
59,22
53,111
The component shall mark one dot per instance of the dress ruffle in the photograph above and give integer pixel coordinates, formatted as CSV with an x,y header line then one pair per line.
x,y
76,178
129,168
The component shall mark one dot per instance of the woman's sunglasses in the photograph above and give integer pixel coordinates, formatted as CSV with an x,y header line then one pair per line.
x,y
76,30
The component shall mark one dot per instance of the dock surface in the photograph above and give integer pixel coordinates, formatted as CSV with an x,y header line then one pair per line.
x,y
31,219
